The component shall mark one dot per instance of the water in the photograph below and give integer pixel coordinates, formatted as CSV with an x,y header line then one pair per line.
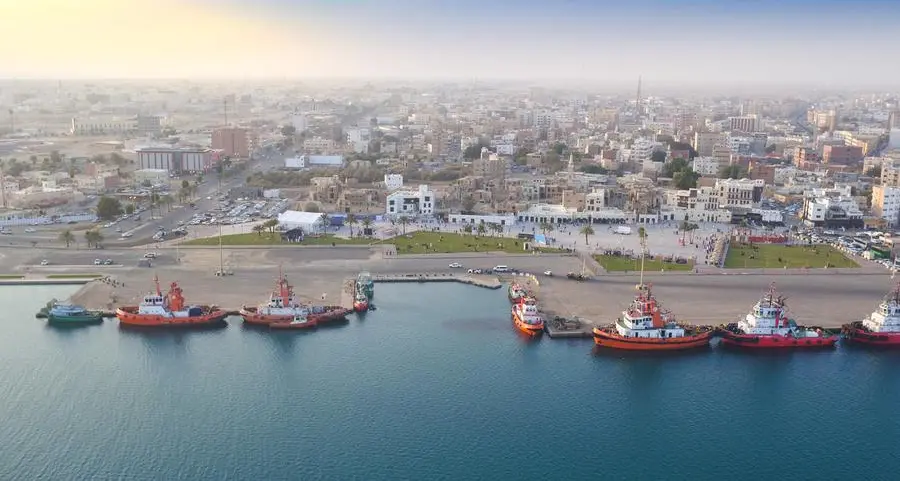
x,y
435,384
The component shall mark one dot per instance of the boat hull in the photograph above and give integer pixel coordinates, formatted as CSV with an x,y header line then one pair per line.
x,y
291,325
614,340
359,306
530,329
865,337
128,316
74,320
251,315
757,341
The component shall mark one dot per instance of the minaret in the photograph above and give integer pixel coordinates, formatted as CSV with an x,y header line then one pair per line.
x,y
571,172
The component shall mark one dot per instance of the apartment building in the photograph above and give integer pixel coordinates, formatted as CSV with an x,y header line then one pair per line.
x,y
231,141
411,202
175,160
739,193
704,142
745,123
886,203
842,155
697,205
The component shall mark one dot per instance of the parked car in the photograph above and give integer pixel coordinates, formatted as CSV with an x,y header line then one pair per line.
x,y
455,265
108,262
97,262
45,262
150,255
548,273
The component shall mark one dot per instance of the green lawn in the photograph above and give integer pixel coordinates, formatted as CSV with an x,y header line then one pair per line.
x,y
625,263
267,239
776,255
449,243
11,276
74,276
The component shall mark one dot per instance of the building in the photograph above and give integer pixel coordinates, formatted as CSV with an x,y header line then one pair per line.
x,y
411,202
318,145
745,123
842,155
149,124
151,176
706,166
232,141
697,205
314,161
103,126
393,181
175,160
739,193
890,173
704,142
490,165
830,210
886,204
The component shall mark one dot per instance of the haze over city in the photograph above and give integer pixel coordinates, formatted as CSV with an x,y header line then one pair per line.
x,y
794,42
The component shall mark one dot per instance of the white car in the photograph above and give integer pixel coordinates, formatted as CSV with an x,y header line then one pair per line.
x,y
455,265
548,273
30,230
45,262
126,235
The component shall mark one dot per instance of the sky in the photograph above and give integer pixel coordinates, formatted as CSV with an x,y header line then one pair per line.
x,y
824,42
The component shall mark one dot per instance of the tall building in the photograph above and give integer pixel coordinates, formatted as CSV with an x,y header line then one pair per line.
x,y
842,155
886,203
746,123
232,141
704,142
174,160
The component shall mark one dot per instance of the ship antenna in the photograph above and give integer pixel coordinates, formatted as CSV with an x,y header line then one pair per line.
x,y
642,235
156,282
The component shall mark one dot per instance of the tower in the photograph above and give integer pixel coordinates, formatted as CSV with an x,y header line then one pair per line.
x,y
637,104
571,170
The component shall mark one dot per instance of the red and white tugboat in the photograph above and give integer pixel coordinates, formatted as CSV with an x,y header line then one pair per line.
x,y
516,292
646,326
767,326
284,311
526,317
882,327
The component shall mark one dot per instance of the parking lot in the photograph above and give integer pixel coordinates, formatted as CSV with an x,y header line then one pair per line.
x,y
865,246
239,211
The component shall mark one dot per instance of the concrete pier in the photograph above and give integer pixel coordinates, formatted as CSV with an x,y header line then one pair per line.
x,y
562,328
488,282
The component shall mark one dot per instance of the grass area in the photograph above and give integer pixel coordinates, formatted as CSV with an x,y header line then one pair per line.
x,y
625,263
11,276
268,239
450,243
74,276
776,255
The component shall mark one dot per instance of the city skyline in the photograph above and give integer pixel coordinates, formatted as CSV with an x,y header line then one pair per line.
x,y
688,42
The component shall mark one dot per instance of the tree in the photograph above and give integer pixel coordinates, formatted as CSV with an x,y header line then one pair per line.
x,y
311,207
592,169
685,179
324,222
93,238
586,231
271,224
185,184
480,229
259,229
467,229
468,203
288,130
404,221
67,237
546,228
167,201
351,221
367,225
676,165
129,209
732,171
108,208
658,156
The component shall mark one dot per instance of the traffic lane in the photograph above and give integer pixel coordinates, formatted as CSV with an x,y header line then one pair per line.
x,y
80,257
532,264
313,254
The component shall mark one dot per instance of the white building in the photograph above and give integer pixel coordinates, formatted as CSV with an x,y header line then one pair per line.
x,y
358,139
314,161
102,126
740,193
706,166
831,212
411,202
886,204
393,182
318,144
175,160
153,176
299,122
487,219
697,205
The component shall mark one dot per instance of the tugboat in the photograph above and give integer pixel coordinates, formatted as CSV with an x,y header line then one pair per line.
x,y
63,314
516,292
158,310
767,326
361,302
283,311
646,326
526,317
882,327
365,284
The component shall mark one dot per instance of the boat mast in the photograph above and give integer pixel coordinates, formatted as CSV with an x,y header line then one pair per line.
x,y
642,236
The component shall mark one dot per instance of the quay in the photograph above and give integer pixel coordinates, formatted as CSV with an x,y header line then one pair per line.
x,y
488,282
566,328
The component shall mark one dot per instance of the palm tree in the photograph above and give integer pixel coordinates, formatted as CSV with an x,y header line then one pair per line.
x,y
367,224
684,226
166,200
481,229
93,238
586,231
259,228
324,222
467,229
351,221
546,228
404,221
67,237
270,224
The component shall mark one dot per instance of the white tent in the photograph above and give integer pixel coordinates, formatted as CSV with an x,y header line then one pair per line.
x,y
293,219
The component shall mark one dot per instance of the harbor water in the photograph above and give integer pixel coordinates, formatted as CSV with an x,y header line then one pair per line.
x,y
434,384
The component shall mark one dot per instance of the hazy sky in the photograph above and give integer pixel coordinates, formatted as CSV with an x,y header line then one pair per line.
x,y
667,41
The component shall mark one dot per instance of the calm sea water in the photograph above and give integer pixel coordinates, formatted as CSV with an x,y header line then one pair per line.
x,y
435,384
